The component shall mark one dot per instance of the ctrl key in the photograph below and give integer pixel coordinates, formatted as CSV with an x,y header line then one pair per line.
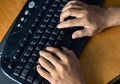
x,y
24,74
17,72
11,64
38,80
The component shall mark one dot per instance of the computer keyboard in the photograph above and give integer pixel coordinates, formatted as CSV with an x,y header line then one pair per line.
x,y
34,29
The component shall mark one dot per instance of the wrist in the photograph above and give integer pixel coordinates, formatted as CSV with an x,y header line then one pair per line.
x,y
112,16
81,81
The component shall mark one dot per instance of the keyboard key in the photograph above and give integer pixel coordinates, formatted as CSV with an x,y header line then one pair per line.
x,y
31,47
38,80
31,77
55,5
57,1
51,25
19,50
55,20
30,31
26,38
34,25
22,44
16,56
57,43
35,54
11,64
29,66
49,15
60,37
33,60
39,47
27,53
55,32
45,36
24,59
37,19
40,31
19,25
37,36
24,74
17,72
52,9
45,81
20,65
22,19
43,40
48,30
53,37
47,20
31,4
33,42
50,43
48,2
43,25
26,12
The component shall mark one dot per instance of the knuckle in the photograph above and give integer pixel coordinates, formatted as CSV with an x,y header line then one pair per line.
x,y
66,61
69,2
71,5
49,55
69,11
62,68
85,12
55,80
53,49
90,33
61,15
42,61
72,52
70,22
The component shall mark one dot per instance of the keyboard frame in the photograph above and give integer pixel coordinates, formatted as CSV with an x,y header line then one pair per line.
x,y
76,42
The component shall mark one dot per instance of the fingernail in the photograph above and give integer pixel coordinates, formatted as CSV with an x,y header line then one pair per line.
x,y
47,48
40,52
58,26
73,36
38,66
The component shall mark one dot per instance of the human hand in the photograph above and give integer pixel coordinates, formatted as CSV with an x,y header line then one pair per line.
x,y
62,67
94,19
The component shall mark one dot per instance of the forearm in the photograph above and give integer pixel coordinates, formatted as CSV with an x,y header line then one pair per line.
x,y
113,15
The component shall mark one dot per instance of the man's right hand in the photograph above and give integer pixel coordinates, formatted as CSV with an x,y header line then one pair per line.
x,y
93,18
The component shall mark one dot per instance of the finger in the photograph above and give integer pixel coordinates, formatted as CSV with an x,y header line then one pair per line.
x,y
47,65
70,7
71,23
75,12
73,4
50,57
81,33
68,51
43,73
57,52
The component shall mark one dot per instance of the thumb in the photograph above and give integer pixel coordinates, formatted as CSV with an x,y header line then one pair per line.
x,y
81,33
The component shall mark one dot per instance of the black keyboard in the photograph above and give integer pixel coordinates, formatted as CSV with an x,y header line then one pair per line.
x,y
34,29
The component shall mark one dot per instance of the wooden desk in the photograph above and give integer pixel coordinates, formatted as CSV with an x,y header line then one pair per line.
x,y
100,60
